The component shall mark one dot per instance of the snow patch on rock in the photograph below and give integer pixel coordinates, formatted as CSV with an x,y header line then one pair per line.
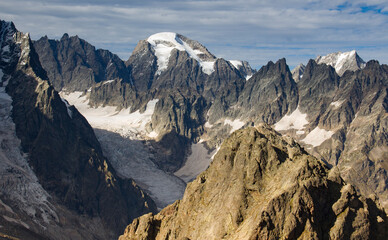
x,y
317,136
235,124
107,82
236,63
337,104
208,125
69,112
296,120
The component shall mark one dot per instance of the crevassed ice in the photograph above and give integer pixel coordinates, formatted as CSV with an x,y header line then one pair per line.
x,y
163,43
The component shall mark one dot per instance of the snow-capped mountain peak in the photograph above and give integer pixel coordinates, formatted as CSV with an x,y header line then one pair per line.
x,y
243,67
163,43
342,61
236,63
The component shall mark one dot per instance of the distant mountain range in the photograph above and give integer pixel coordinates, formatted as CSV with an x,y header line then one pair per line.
x,y
159,120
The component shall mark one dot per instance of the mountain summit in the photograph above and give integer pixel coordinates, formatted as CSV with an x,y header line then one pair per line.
x,y
163,43
342,61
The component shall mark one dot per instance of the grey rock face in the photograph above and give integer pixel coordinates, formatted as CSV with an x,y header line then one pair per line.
x,y
317,87
75,65
142,65
269,94
263,186
63,150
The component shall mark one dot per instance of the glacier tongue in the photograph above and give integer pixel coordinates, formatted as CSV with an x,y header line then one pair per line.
x,y
121,135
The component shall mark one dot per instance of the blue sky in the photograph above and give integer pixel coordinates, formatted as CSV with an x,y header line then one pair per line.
x,y
256,31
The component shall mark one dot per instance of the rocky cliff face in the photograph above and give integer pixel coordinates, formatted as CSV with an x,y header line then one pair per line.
x,y
264,186
269,94
63,152
73,64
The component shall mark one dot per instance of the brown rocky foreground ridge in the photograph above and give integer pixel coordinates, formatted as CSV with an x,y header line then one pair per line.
x,y
261,185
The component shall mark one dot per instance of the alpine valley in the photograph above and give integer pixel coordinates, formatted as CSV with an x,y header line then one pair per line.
x,y
175,143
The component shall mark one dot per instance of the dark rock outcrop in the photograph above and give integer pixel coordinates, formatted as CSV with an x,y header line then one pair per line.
x,y
73,64
268,95
263,186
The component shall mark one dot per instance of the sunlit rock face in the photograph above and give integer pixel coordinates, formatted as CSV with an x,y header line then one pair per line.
x,y
264,186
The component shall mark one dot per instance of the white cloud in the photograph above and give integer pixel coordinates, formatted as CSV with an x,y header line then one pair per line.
x,y
257,31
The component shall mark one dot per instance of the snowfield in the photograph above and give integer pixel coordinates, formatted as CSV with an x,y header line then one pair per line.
x,y
296,120
317,136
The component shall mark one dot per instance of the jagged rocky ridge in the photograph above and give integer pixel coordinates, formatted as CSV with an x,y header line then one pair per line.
x,y
73,64
336,109
79,184
264,186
